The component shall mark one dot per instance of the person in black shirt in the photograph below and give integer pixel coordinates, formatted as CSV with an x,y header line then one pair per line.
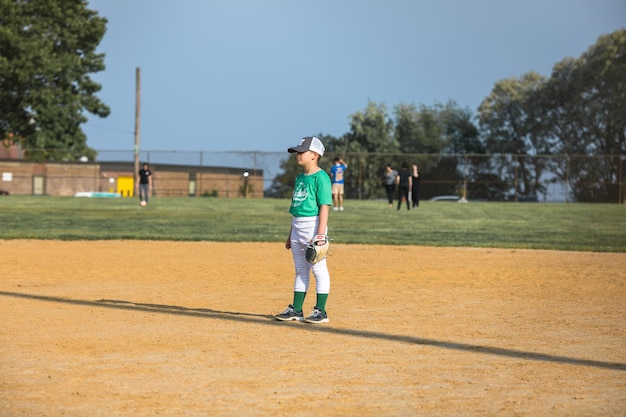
x,y
404,181
145,184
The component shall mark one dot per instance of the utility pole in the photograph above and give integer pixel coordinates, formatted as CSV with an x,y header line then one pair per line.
x,y
137,124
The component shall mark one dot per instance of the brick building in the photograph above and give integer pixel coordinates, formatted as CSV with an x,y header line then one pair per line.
x,y
20,177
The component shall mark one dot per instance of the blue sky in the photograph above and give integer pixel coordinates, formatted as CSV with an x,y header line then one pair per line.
x,y
257,75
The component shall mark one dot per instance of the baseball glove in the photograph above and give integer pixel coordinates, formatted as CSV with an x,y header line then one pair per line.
x,y
317,249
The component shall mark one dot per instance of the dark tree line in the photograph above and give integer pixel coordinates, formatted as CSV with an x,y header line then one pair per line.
x,y
510,146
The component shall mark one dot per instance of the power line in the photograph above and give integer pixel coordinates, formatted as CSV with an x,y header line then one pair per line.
x,y
110,128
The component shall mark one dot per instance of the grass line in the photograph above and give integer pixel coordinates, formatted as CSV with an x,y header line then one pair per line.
x,y
583,227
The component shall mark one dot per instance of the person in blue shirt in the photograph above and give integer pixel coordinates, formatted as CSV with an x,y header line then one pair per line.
x,y
338,180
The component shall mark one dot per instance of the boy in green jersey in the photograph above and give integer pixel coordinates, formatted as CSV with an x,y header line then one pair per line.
x,y
310,205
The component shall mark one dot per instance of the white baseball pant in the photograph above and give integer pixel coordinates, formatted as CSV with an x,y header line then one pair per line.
x,y
303,229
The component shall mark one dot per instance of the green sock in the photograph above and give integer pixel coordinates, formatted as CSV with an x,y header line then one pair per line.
x,y
321,301
298,300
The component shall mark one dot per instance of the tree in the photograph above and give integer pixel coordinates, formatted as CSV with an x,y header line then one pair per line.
x,y
47,52
370,130
370,135
585,108
419,130
428,134
462,135
511,125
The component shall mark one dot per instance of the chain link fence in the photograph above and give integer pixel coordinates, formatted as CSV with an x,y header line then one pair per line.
x,y
496,177
493,177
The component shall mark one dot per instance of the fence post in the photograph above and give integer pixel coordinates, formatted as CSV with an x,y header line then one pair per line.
x,y
620,198
464,177
515,178
566,178
360,177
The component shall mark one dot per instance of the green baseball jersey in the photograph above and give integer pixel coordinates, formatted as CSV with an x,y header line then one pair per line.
x,y
309,193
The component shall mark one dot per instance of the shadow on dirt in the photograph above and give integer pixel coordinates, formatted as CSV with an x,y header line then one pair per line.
x,y
268,320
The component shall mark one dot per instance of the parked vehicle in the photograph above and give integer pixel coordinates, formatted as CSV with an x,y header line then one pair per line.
x,y
445,198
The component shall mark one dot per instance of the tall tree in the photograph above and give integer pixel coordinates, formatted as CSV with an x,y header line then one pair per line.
x,y
47,53
370,136
472,163
585,103
510,127
419,130
430,134
370,130
461,133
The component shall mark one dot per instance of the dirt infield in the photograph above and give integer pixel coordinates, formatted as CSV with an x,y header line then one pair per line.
x,y
136,328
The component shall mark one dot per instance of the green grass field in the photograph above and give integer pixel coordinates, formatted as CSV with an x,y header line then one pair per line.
x,y
585,227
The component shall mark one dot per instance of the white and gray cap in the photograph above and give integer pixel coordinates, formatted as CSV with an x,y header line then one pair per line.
x,y
309,143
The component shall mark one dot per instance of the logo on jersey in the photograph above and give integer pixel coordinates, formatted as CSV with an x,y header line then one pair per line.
x,y
299,194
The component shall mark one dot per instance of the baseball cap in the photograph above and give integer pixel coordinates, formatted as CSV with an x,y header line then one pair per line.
x,y
308,143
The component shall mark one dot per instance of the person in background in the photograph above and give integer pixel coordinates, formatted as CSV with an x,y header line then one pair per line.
x,y
145,183
415,189
390,183
338,180
404,181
